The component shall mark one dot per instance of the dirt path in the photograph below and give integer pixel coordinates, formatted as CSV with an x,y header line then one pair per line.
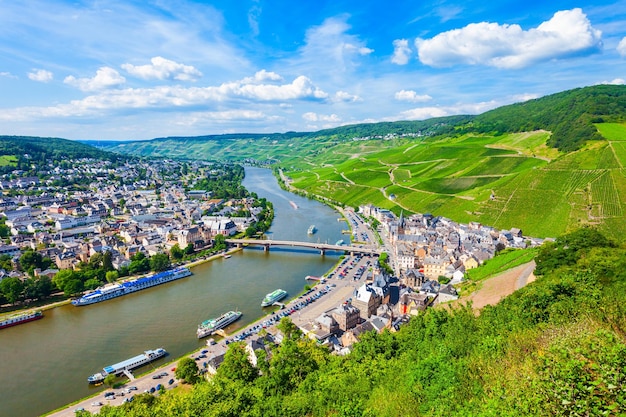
x,y
496,288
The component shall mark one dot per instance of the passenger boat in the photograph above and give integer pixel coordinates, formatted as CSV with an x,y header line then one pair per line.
x,y
22,318
127,365
340,242
312,229
208,327
274,296
117,289
294,205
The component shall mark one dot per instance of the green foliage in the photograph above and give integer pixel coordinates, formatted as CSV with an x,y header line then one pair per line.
x,y
187,370
225,184
568,249
557,347
22,151
160,262
568,115
176,252
236,365
11,288
506,259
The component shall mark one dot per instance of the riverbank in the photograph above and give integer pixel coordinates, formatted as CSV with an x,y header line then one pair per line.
x,y
49,306
338,290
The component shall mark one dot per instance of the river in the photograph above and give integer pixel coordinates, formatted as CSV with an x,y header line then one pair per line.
x,y
44,364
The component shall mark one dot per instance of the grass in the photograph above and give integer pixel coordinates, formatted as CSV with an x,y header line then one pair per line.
x,y
507,259
612,131
8,160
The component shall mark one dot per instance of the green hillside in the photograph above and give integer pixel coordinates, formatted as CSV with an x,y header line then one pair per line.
x,y
554,348
546,166
568,115
23,151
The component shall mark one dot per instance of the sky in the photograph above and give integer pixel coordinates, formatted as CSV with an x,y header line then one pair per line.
x,y
135,70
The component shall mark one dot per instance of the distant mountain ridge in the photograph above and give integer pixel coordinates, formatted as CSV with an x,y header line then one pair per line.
x,y
568,115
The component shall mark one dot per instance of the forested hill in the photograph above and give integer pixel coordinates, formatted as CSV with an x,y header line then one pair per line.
x,y
20,152
569,115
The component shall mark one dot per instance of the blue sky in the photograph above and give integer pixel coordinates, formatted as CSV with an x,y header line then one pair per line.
x,y
130,70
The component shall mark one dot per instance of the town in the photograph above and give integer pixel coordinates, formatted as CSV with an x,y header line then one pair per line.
x,y
127,218
118,215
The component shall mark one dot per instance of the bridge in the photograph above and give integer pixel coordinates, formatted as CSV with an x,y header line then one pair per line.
x,y
322,247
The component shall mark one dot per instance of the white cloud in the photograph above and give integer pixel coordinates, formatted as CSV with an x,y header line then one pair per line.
x,y
105,77
7,74
40,75
164,97
329,49
422,113
301,88
621,47
401,52
525,97
314,117
345,97
254,14
163,69
616,81
262,76
567,33
412,96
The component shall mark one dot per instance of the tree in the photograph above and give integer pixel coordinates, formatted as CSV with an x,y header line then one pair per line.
x,y
176,252
189,249
38,287
12,289
62,277
5,263
236,365
109,380
111,276
107,261
30,260
160,262
219,242
289,329
73,287
187,370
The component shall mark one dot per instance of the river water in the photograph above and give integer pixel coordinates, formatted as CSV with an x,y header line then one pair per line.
x,y
44,364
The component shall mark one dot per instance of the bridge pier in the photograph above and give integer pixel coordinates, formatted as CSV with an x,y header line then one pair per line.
x,y
266,248
322,252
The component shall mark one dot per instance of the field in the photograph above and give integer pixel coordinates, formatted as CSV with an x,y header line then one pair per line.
x,y
507,181
612,131
6,160
506,260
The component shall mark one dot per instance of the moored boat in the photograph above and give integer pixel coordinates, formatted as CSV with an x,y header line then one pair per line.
x,y
117,289
274,296
312,278
208,327
21,318
127,365
312,229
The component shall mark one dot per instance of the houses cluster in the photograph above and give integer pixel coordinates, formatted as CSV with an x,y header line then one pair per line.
x,y
123,208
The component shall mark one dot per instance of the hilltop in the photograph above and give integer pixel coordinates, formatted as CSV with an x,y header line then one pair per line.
x,y
21,152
